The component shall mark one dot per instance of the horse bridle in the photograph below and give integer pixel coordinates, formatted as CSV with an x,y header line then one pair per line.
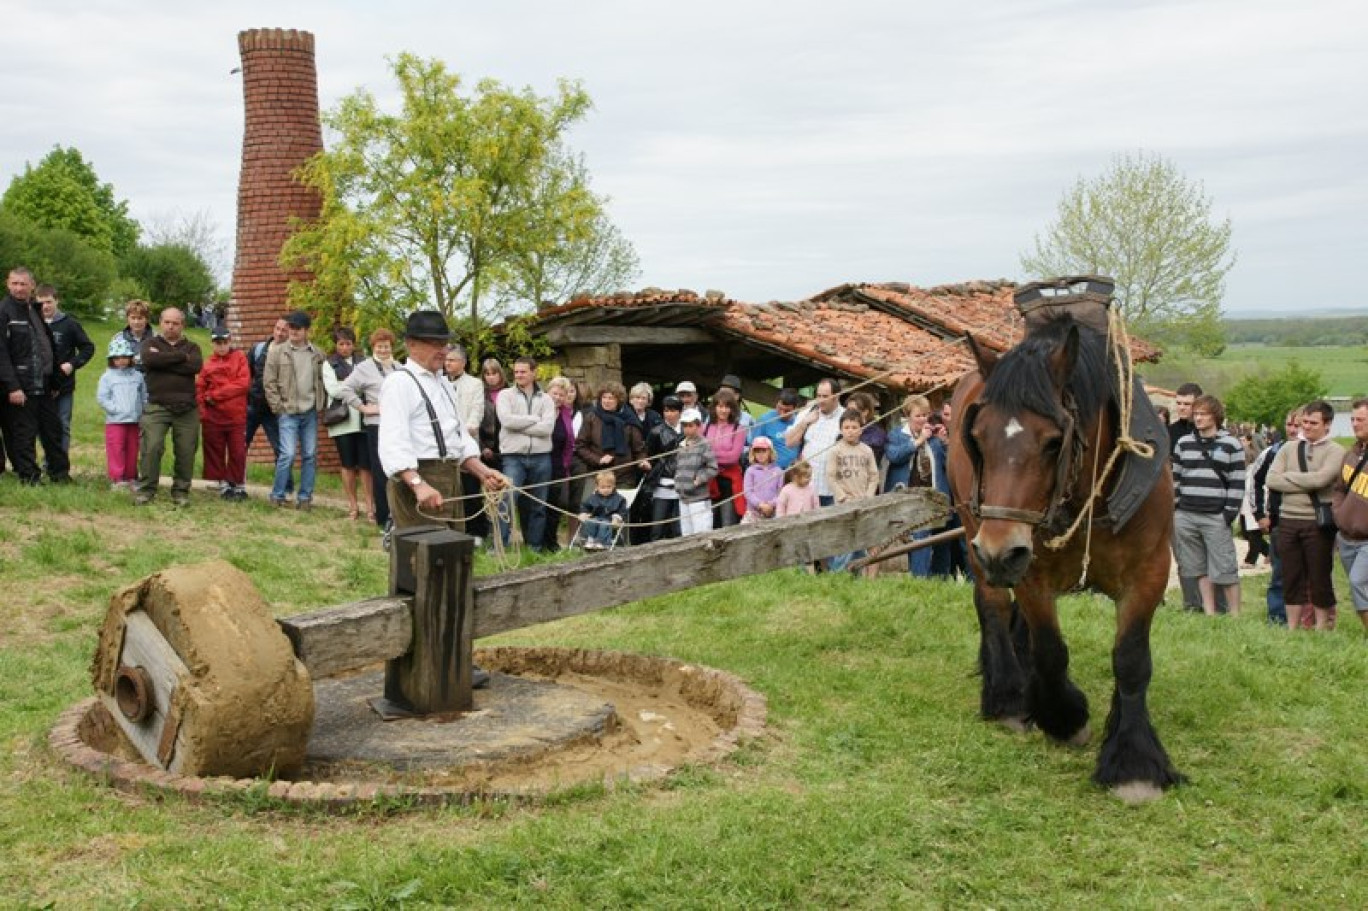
x,y
1054,514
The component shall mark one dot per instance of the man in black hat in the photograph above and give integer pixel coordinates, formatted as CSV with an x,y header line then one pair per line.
x,y
424,445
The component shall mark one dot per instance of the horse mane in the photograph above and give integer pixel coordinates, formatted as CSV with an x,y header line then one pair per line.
x,y
1021,380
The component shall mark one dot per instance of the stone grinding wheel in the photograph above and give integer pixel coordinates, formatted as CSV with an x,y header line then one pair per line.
x,y
199,677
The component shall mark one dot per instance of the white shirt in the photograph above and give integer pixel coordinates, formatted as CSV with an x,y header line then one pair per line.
x,y
817,442
406,433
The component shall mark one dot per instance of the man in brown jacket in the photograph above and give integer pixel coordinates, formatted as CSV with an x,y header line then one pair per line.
x,y
170,362
1351,512
1304,472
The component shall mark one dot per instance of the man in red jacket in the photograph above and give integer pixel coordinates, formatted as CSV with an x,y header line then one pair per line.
x,y
221,391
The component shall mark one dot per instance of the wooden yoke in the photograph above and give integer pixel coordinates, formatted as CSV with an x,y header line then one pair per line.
x,y
432,566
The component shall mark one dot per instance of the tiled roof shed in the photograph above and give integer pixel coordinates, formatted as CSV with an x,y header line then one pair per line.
x,y
899,337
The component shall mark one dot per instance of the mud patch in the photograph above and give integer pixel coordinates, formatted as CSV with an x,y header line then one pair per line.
x,y
552,719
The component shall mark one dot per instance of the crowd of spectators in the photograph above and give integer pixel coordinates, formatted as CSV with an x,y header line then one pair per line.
x,y
610,465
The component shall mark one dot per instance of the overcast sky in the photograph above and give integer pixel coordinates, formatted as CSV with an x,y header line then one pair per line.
x,y
774,149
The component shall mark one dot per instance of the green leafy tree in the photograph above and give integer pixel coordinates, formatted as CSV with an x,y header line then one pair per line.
x,y
443,204
171,274
1266,397
82,274
588,256
63,191
1148,227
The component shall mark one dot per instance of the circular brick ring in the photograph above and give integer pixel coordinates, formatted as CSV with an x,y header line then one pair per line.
x,y
87,737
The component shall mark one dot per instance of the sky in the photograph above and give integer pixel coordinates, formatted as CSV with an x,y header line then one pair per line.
x,y
772,150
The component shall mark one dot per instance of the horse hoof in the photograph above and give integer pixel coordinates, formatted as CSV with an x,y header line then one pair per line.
x,y
1016,724
1081,737
1138,792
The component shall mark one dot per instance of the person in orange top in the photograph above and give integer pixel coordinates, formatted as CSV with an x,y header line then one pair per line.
x,y
221,391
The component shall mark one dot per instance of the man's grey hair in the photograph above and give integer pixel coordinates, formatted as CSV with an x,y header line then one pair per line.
x,y
458,351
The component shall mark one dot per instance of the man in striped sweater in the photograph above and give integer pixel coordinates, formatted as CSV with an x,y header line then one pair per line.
x,y
1208,480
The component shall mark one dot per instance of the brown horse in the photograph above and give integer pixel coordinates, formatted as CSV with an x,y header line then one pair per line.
x,y
1033,427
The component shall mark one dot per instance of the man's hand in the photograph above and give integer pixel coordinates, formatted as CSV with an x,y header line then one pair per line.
x,y
607,459
494,480
1265,524
68,369
17,397
584,517
429,497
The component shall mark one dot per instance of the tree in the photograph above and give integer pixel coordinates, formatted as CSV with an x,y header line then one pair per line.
x,y
589,257
1148,227
171,274
82,274
442,204
1266,398
197,231
63,191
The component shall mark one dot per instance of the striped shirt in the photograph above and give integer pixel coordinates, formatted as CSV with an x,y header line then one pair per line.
x,y
1209,474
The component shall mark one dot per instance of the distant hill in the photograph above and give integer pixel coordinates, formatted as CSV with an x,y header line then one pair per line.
x,y
1305,330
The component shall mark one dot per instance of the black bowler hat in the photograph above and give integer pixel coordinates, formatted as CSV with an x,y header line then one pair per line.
x,y
731,381
427,324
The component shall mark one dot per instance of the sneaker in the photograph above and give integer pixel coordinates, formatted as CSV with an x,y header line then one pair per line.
x,y
277,502
387,538
180,501
239,492
304,505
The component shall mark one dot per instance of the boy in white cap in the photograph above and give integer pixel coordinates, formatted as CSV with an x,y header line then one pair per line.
x,y
695,466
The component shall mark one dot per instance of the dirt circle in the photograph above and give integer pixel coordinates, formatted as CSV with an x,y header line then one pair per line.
x,y
553,718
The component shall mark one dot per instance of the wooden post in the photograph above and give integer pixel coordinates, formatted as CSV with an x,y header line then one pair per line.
x,y
434,566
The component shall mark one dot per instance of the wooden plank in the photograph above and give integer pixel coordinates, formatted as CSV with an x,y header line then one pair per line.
x,y
349,636
628,335
551,592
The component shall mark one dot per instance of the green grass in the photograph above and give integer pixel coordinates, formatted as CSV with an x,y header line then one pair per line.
x,y
1344,369
875,787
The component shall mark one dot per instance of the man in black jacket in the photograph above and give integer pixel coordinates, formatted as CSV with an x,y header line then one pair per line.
x,y
27,365
72,350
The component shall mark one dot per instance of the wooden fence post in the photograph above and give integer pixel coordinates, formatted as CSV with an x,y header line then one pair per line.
x,y
433,566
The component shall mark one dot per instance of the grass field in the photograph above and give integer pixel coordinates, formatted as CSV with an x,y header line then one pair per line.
x,y
876,786
1345,369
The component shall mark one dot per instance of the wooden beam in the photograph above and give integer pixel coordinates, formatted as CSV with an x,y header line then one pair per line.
x,y
628,335
551,592
348,636
352,636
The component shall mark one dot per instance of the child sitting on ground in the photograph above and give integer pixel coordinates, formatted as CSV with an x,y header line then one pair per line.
x,y
602,512
852,473
122,393
762,483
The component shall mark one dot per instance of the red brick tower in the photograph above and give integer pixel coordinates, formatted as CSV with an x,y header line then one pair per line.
x,y
280,93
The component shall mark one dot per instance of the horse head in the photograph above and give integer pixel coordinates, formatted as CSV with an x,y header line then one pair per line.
x,y
1019,437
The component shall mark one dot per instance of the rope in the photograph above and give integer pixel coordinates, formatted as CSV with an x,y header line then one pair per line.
x,y
1118,340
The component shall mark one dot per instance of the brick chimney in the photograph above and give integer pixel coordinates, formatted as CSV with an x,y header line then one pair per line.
x,y
280,94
